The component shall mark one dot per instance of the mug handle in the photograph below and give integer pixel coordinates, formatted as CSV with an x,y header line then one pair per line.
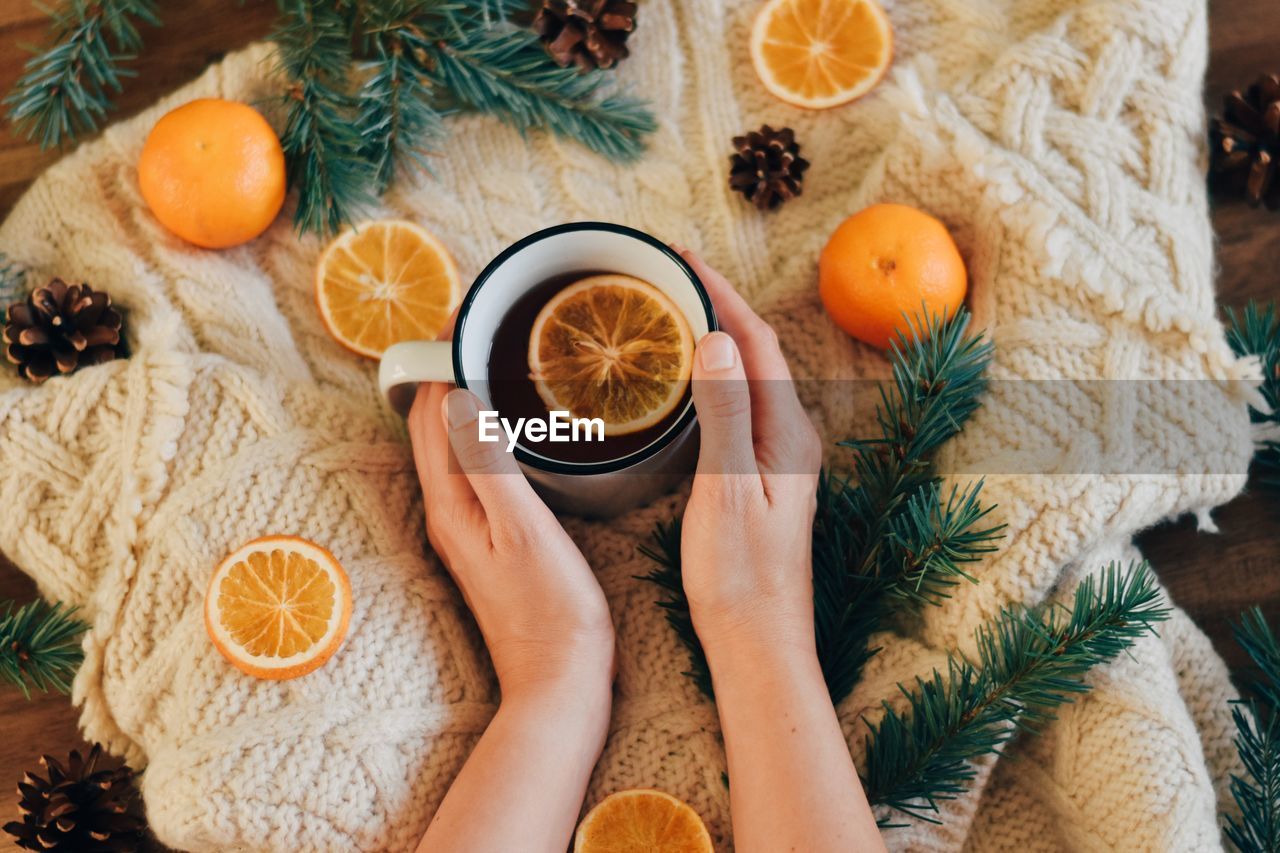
x,y
407,363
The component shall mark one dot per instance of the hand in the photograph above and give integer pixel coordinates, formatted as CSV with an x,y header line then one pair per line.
x,y
746,558
747,532
543,615
546,624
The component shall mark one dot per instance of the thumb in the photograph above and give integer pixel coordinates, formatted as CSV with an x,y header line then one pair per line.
x,y
723,402
495,477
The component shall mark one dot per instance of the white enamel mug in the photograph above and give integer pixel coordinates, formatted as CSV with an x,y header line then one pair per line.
x,y
599,489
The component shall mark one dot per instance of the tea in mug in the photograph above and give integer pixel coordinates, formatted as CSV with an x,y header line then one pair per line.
x,y
596,345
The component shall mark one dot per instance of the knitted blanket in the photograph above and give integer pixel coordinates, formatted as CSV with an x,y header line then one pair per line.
x,y
1060,140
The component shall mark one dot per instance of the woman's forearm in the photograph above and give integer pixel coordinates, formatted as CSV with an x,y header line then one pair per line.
x,y
523,785
792,784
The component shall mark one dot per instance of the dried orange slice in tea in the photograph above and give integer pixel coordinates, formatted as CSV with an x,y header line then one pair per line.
x,y
384,282
642,821
278,607
821,53
611,347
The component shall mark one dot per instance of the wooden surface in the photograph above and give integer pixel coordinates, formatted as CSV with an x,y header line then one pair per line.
x,y
1213,577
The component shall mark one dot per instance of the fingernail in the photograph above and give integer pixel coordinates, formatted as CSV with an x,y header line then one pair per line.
x,y
677,248
717,352
459,408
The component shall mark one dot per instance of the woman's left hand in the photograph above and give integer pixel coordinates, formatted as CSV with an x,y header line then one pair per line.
x,y
545,621
543,615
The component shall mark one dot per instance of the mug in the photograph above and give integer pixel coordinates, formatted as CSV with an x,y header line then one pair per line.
x,y
599,489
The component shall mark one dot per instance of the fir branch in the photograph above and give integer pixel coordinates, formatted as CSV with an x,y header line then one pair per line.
x,y
65,91
1257,793
1256,331
397,115
899,539
1257,740
506,72
39,646
939,374
349,125
321,143
1030,661
1254,635
932,539
665,551
846,605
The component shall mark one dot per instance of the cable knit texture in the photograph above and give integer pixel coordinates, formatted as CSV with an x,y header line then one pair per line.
x,y
1061,142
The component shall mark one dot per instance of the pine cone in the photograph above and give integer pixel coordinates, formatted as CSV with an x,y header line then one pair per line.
x,y
768,168
61,327
592,33
78,808
1246,141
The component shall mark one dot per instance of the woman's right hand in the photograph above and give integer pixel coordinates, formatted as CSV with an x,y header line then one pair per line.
x,y
746,559
747,530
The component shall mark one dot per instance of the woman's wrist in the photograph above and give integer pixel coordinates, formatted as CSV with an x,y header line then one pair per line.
x,y
578,704
747,661
769,628
581,678
749,674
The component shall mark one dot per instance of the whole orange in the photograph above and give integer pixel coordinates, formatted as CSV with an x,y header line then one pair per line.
x,y
888,263
212,172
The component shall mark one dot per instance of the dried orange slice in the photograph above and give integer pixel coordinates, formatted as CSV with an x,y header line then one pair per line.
x,y
384,282
278,607
642,821
611,347
821,53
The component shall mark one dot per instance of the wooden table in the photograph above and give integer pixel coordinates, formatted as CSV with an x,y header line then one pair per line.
x,y
1212,576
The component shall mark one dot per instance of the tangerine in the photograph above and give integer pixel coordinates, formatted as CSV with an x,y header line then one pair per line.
x,y
884,268
212,172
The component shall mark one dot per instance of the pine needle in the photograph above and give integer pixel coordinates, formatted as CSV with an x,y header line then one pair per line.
x,y
665,551
367,87
39,646
1257,740
506,72
1256,331
321,143
932,539
938,380
398,118
1030,661
1257,793
65,92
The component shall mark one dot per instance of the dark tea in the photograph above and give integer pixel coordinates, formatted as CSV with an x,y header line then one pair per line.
x,y
515,394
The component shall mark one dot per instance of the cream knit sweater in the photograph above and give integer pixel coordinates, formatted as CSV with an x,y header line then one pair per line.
x,y
1061,142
